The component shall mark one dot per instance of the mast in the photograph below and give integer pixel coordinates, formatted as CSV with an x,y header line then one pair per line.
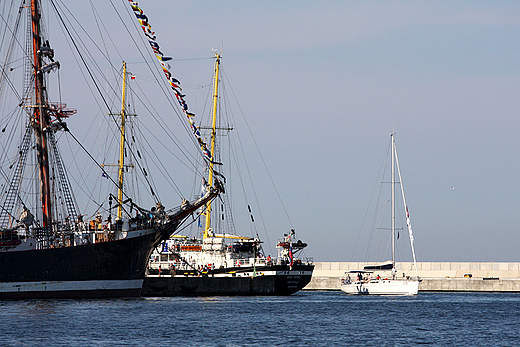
x,y
393,198
213,138
40,118
121,150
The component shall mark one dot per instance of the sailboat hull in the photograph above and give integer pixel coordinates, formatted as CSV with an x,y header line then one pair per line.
x,y
382,287
105,269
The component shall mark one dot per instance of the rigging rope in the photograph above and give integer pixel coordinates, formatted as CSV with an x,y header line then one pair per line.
x,y
174,83
75,44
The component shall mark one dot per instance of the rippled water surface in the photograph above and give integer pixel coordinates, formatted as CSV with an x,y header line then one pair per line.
x,y
304,319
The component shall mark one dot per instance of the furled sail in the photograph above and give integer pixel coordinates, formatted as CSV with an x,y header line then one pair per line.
x,y
408,221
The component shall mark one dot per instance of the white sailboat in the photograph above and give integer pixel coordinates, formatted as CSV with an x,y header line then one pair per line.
x,y
362,281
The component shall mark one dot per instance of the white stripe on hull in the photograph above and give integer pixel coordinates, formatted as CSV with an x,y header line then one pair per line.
x,y
385,287
65,286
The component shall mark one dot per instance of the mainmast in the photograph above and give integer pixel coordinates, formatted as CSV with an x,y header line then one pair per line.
x,y
213,138
393,198
121,149
40,117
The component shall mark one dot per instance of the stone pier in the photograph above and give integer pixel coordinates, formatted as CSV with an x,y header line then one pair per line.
x,y
436,276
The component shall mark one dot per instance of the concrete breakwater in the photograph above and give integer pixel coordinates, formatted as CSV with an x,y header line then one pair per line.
x,y
436,276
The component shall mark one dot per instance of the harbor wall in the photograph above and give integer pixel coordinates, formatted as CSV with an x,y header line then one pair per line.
x,y
436,276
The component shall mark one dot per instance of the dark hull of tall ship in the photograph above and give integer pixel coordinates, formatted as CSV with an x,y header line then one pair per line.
x,y
99,270
263,281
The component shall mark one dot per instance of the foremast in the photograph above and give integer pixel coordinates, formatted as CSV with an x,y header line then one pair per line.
x,y
213,140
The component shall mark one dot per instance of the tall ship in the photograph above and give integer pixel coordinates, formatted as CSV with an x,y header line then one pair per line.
x,y
221,262
48,247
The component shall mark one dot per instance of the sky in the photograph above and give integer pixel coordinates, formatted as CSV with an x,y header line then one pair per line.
x,y
322,84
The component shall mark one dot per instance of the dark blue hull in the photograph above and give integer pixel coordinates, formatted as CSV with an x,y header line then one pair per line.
x,y
269,280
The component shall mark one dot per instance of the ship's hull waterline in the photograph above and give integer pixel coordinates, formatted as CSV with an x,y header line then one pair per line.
x,y
105,269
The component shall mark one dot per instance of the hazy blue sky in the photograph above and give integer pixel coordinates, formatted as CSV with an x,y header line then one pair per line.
x,y
323,83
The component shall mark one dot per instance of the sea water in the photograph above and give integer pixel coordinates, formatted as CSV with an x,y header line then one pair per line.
x,y
307,318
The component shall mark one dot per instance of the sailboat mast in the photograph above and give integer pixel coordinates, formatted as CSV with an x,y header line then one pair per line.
x,y
121,149
213,139
393,199
40,118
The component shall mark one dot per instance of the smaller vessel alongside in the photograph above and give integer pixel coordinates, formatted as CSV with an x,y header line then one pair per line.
x,y
210,266
363,281
213,265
